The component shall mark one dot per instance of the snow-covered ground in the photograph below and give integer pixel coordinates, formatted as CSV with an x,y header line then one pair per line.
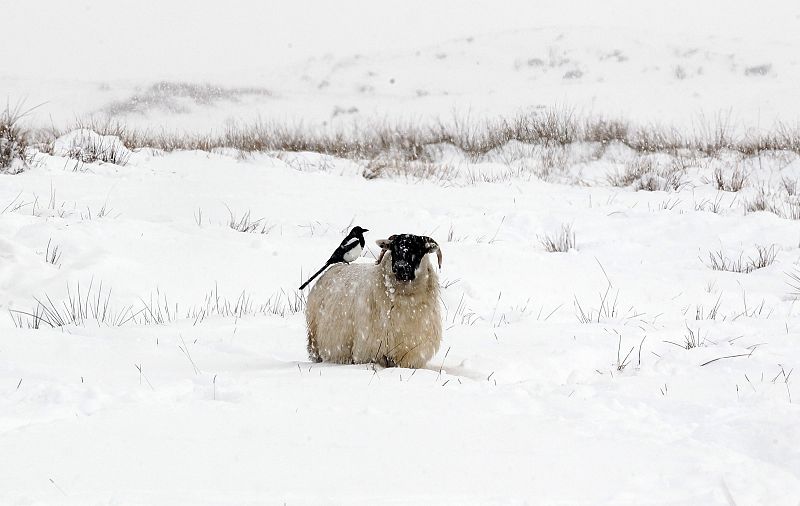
x,y
524,402
625,370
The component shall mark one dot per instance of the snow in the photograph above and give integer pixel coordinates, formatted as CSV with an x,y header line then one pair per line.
x,y
519,404
86,144
563,378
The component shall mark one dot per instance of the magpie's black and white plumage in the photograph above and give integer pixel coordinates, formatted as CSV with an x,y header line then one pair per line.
x,y
349,249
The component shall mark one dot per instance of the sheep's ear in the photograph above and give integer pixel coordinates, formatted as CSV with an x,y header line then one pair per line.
x,y
431,246
385,243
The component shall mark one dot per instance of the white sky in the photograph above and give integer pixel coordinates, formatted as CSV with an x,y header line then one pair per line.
x,y
134,39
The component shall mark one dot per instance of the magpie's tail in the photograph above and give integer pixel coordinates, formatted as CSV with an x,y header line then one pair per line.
x,y
309,280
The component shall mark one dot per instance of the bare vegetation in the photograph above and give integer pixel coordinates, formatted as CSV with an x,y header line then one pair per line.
x,y
622,363
607,309
13,140
245,223
175,96
714,206
94,305
656,139
52,254
402,149
98,143
703,313
730,182
605,131
643,173
691,339
561,242
790,186
765,256
407,169
782,204
632,172
794,282
158,310
80,307
409,142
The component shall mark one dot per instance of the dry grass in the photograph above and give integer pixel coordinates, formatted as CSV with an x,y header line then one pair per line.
x,y
790,186
691,339
175,96
369,140
633,170
643,173
605,131
762,201
245,223
784,205
80,307
90,148
53,253
387,148
407,169
560,242
658,139
765,256
730,182
13,140
713,206
794,282
93,305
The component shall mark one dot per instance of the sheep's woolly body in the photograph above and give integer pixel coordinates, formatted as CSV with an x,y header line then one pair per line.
x,y
358,313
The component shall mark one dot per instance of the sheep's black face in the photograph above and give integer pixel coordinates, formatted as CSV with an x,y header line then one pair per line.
x,y
408,250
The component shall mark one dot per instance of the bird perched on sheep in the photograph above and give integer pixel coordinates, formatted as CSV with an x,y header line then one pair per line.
x,y
386,313
349,249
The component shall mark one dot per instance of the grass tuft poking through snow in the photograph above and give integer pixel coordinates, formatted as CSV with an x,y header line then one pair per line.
x,y
87,146
13,140
794,282
691,339
644,174
243,223
561,242
52,255
730,181
94,304
80,307
765,256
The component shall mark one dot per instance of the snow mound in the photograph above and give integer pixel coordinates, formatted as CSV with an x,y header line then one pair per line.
x,y
89,146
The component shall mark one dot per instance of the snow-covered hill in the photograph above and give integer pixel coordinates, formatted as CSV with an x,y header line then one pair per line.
x,y
175,66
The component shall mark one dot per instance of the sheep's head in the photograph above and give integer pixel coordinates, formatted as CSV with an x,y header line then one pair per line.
x,y
407,251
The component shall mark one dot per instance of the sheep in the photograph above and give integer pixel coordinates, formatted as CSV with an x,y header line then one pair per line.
x,y
386,313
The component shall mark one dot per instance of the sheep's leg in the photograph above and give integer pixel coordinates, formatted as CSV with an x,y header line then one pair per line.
x,y
412,355
367,350
313,351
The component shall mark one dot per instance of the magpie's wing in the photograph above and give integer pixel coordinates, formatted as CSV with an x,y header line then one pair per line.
x,y
347,245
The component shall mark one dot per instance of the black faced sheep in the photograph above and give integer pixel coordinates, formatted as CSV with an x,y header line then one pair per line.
x,y
387,313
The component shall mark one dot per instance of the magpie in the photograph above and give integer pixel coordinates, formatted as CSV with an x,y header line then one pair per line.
x,y
349,249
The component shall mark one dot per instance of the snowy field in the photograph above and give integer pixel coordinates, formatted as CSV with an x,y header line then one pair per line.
x,y
621,323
